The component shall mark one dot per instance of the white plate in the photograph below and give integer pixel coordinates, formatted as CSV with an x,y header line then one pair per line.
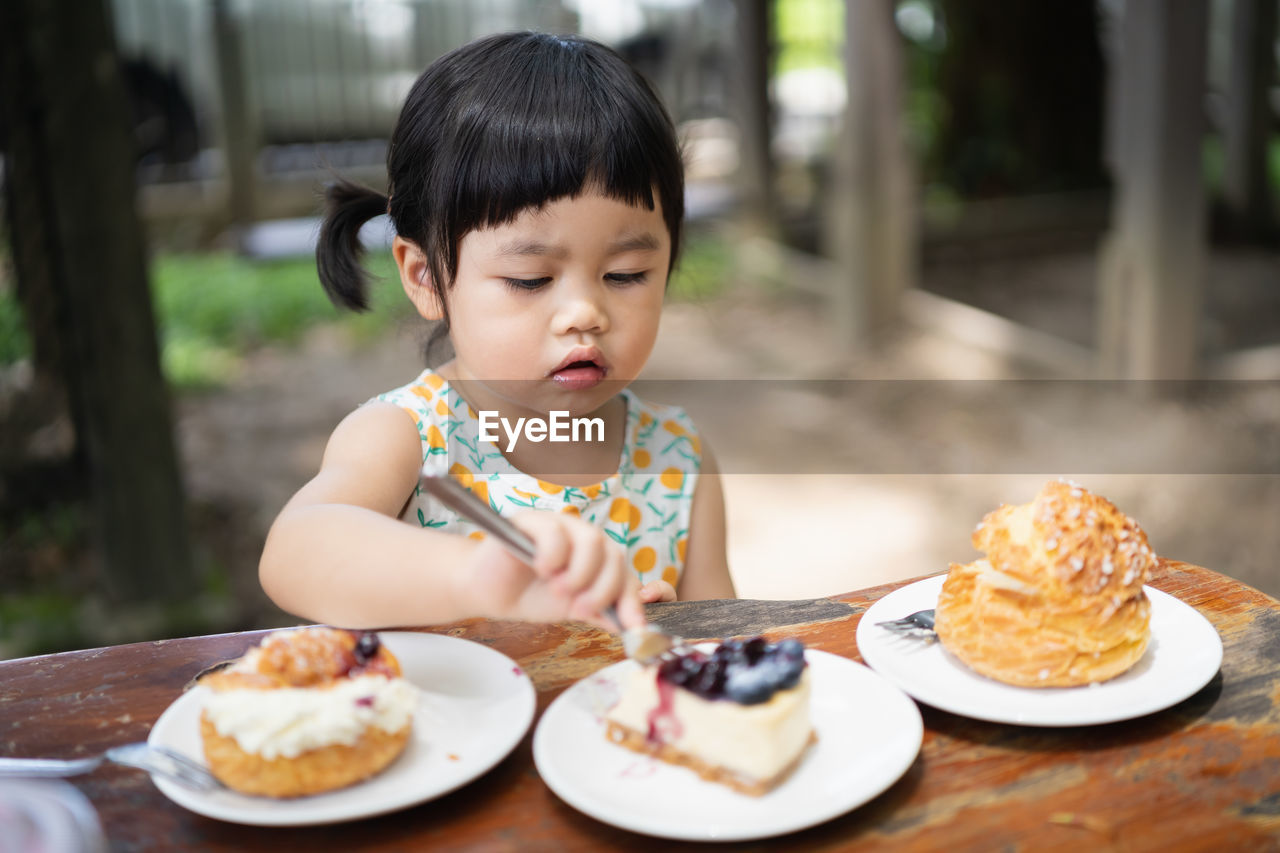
x,y
1184,653
476,706
868,735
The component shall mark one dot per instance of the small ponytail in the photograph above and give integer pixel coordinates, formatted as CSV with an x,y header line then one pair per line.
x,y
339,251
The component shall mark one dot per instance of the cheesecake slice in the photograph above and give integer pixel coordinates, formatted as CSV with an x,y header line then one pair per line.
x,y
738,715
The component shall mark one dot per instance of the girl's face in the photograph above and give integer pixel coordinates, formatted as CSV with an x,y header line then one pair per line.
x,y
558,309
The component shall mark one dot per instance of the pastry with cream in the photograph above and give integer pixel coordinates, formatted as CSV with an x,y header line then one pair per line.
x,y
306,711
738,715
1058,600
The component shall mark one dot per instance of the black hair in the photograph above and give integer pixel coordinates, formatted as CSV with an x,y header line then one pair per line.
x,y
497,126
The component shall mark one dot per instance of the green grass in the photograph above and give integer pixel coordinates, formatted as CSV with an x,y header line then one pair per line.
x,y
212,308
1213,162
52,600
809,34
14,344
49,618
706,263
37,622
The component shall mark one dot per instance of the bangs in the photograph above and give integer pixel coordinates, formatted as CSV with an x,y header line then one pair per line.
x,y
525,146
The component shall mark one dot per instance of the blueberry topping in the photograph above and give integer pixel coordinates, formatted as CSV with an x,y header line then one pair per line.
x,y
367,647
752,685
744,671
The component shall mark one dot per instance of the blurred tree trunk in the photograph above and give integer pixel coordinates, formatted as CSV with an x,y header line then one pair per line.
x,y
1023,87
80,260
1247,129
871,225
239,131
755,117
1152,263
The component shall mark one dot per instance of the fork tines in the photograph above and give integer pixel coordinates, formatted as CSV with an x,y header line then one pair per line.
x,y
189,770
919,623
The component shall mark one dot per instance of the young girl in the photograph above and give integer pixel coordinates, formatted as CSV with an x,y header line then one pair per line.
x,y
537,192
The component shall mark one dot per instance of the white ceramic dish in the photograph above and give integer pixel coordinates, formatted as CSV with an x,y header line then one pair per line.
x,y
476,706
869,733
1184,654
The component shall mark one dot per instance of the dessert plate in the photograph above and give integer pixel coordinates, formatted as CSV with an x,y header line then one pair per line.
x,y
475,707
1184,653
869,733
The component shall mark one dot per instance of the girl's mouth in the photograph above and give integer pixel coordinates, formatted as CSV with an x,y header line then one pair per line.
x,y
583,368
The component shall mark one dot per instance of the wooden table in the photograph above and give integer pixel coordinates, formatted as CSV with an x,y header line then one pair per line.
x,y
1203,775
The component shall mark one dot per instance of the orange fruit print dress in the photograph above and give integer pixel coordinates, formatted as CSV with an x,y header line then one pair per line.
x,y
644,506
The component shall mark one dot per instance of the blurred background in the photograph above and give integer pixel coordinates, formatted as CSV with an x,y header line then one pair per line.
x,y
952,249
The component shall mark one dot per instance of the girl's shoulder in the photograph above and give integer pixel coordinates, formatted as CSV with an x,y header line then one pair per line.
x,y
432,405
427,398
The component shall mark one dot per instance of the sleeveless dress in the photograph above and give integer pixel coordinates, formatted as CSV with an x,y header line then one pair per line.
x,y
645,506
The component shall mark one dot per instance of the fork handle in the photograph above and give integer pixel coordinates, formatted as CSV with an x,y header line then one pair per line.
x,y
461,500
46,768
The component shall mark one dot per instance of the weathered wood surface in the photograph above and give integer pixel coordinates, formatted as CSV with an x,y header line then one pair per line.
x,y
1203,775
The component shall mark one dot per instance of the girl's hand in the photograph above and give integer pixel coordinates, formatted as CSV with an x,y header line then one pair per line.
x,y
577,572
657,591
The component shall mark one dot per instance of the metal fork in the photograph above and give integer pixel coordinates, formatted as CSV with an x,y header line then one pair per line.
x,y
159,760
646,645
918,624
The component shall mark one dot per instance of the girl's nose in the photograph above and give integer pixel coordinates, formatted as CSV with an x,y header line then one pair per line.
x,y
580,309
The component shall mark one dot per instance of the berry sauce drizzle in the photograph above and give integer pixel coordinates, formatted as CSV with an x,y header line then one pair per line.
x,y
663,725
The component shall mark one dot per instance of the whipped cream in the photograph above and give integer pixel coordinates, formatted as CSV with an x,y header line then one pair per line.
x,y
288,721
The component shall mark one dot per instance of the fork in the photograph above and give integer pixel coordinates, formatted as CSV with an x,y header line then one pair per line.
x,y
159,760
918,624
646,645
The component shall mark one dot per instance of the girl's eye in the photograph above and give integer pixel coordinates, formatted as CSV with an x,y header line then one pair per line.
x,y
526,283
626,277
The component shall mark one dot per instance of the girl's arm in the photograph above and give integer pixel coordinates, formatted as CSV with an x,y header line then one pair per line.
x,y
338,554
706,566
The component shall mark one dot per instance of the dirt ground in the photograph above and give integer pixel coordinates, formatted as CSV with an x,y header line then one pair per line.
x,y
843,472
